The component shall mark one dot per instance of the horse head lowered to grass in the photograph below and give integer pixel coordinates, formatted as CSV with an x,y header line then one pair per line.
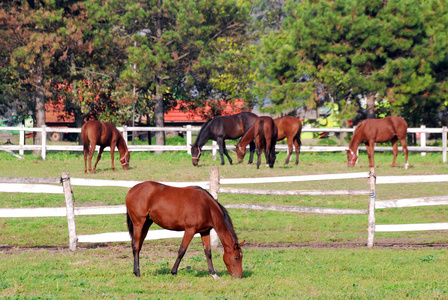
x,y
264,133
371,131
190,209
103,134
221,128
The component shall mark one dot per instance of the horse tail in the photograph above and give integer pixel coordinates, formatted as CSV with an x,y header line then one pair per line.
x,y
130,225
299,132
261,129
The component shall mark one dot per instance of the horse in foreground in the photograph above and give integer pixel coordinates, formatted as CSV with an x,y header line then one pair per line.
x,y
265,134
221,128
371,131
103,134
191,209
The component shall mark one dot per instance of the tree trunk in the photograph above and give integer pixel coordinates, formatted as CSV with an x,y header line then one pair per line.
x,y
160,135
370,109
40,105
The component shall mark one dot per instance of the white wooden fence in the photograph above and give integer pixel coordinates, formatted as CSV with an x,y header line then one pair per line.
x,y
42,185
189,129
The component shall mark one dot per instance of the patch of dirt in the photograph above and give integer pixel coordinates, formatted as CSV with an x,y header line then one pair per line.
x,y
171,250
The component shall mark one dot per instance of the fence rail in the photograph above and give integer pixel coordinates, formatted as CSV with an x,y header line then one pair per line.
x,y
189,129
43,185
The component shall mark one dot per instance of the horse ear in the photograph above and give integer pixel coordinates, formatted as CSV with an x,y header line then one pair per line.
x,y
240,244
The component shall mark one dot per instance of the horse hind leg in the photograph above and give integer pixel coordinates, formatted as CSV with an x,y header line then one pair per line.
x,y
394,150
188,236
289,154
297,146
405,152
86,155
138,234
100,152
208,253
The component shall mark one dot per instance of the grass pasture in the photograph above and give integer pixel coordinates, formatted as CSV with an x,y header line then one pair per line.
x,y
286,255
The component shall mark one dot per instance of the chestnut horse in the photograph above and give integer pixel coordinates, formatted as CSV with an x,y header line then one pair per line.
x,y
373,131
191,209
221,128
265,134
103,134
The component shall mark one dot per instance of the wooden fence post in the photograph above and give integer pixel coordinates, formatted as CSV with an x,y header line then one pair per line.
x,y
22,138
44,143
423,138
371,218
444,143
189,135
125,134
214,187
214,147
70,211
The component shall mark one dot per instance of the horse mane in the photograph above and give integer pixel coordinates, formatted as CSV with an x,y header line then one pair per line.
x,y
225,216
200,138
360,126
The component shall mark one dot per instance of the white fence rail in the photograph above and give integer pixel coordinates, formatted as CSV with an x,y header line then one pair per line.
x,y
189,129
42,185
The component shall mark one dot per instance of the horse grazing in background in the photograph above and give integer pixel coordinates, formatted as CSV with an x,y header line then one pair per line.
x,y
371,131
103,134
190,209
290,128
221,128
265,134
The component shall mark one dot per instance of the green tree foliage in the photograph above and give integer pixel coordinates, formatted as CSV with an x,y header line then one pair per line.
x,y
173,46
394,50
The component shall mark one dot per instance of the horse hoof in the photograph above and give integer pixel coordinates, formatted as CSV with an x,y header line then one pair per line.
x,y
216,277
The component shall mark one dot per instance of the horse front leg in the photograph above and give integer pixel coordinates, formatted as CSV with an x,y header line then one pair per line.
x,y
100,152
112,150
370,153
188,236
223,150
208,253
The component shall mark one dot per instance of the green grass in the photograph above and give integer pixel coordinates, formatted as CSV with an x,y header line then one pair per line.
x,y
35,262
304,273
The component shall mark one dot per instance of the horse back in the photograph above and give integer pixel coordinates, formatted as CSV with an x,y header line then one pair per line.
x,y
234,126
384,130
170,207
288,126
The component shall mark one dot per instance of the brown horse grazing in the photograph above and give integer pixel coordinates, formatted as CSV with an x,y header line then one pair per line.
x,y
103,134
221,128
191,209
265,134
288,127
373,131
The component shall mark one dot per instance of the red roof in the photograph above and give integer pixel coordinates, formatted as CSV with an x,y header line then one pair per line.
x,y
176,115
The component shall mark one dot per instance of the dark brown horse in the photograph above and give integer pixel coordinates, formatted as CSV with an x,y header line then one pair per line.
x,y
103,134
191,209
373,131
265,134
221,128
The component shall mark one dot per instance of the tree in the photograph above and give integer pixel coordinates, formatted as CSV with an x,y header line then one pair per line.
x,y
172,45
394,50
43,35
